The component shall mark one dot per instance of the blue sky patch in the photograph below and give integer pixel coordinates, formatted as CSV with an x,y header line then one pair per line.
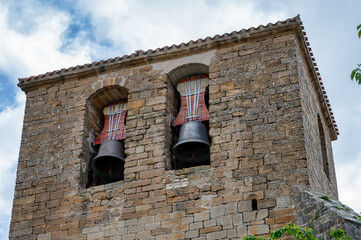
x,y
80,27
7,91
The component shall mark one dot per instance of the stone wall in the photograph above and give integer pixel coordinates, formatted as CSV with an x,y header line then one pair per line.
x,y
49,166
256,125
322,213
311,111
258,151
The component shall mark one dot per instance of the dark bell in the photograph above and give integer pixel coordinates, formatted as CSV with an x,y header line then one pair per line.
x,y
109,162
193,143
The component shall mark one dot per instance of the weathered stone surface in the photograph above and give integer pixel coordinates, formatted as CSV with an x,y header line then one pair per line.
x,y
324,213
265,139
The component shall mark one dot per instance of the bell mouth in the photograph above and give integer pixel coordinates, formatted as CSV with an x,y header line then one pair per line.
x,y
193,151
193,144
109,162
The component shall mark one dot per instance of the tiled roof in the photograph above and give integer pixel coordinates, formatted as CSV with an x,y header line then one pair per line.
x,y
235,35
320,83
150,52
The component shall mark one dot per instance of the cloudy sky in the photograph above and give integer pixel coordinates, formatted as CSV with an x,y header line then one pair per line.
x,y
37,36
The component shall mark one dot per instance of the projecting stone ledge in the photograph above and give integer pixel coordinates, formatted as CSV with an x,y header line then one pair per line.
x,y
321,213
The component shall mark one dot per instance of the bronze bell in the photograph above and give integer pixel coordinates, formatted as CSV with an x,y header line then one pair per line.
x,y
193,143
109,162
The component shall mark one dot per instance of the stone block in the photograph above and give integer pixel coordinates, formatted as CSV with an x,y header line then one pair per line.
x,y
95,236
210,223
161,231
155,100
175,236
262,214
202,216
129,237
192,234
283,202
138,183
231,208
244,206
231,233
136,104
242,231
210,229
196,226
46,236
216,235
227,86
152,173
152,225
227,222
249,216
131,222
237,219
180,228
90,230
258,229
144,235
187,220
217,211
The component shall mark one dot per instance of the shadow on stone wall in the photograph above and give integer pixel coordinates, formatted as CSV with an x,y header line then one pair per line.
x,y
321,213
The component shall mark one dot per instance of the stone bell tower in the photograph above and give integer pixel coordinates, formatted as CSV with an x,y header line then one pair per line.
x,y
211,139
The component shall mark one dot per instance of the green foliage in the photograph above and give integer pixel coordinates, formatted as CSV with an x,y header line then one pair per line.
x,y
339,234
326,198
356,73
299,234
293,230
252,238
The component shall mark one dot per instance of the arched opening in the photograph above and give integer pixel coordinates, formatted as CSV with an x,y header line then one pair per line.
x,y
190,123
105,127
324,157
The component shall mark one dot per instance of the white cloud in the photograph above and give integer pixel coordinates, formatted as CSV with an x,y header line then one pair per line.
x,y
23,53
132,25
10,127
349,183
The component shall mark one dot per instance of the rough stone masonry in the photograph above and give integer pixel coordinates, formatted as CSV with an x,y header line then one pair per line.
x,y
270,157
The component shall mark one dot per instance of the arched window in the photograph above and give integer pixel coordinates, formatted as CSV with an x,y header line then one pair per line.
x,y
323,148
106,120
190,124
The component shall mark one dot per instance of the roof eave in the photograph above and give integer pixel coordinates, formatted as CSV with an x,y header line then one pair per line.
x,y
159,54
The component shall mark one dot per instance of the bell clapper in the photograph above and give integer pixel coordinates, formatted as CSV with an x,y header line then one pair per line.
x,y
110,168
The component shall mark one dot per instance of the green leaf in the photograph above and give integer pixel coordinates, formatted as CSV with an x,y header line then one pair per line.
x,y
359,31
358,78
277,235
353,74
